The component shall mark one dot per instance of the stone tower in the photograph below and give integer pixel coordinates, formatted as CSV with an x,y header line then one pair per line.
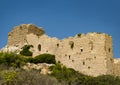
x,y
18,35
90,54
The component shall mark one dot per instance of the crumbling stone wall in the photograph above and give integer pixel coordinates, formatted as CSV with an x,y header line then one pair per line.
x,y
85,54
18,35
89,54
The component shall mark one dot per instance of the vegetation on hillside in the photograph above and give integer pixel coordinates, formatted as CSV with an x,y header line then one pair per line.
x,y
12,59
11,73
69,76
15,60
18,76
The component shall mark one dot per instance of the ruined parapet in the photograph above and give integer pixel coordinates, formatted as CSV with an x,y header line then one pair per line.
x,y
18,35
35,30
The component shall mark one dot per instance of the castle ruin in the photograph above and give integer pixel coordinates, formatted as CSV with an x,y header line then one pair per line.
x,y
90,54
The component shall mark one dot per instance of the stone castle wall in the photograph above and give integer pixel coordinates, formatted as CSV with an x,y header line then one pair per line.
x,y
87,53
90,54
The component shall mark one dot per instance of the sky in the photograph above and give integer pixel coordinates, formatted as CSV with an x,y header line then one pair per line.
x,y
63,18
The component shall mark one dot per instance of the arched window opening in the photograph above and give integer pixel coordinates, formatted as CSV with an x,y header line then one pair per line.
x,y
39,47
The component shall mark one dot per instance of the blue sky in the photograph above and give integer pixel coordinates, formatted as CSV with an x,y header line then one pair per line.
x,y
63,18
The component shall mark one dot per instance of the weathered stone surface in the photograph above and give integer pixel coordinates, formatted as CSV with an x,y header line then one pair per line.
x,y
117,67
90,54
42,67
10,49
18,35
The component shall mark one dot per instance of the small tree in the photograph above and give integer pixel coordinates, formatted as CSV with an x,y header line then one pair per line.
x,y
25,50
79,35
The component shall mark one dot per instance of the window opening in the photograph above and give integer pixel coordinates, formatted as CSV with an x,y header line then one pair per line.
x,y
57,44
69,56
88,67
83,63
39,47
109,50
81,50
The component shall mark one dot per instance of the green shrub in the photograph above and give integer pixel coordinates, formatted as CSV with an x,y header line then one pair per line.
x,y
44,58
79,35
12,59
30,60
25,50
63,74
10,77
2,58
23,77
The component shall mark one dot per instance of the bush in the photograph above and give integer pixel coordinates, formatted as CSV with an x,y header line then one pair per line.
x,y
79,35
22,77
12,59
2,58
25,50
30,60
44,58
9,77
62,73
